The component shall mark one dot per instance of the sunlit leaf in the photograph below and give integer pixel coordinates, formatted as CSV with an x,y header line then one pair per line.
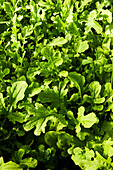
x,y
58,41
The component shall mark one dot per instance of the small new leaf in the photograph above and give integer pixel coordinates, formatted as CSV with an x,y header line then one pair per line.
x,y
58,41
83,46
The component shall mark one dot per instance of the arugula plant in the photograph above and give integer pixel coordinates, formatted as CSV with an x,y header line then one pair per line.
x,y
56,84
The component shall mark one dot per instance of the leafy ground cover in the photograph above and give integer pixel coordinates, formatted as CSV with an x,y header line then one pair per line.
x,y
56,84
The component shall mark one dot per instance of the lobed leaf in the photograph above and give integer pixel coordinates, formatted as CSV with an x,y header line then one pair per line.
x,y
17,92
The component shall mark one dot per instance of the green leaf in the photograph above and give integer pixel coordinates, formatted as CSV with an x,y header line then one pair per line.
x,y
107,129
70,17
108,92
80,158
62,86
47,52
34,11
51,138
98,107
87,99
58,61
64,140
108,147
80,113
74,97
68,37
48,95
83,4
95,89
70,115
82,134
29,163
34,89
32,72
19,154
40,117
78,129
9,165
91,23
67,3
1,162
83,158
87,61
99,6
106,43
41,125
58,41
88,120
5,72
77,81
16,117
2,103
63,73
99,100
97,27
99,160
8,8
77,156
16,92
109,30
83,46
107,14
27,30
40,121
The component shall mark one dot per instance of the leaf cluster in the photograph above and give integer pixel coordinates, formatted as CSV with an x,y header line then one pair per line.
x,y
56,84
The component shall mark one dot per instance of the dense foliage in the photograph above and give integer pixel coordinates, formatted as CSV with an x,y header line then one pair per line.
x,y
56,84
